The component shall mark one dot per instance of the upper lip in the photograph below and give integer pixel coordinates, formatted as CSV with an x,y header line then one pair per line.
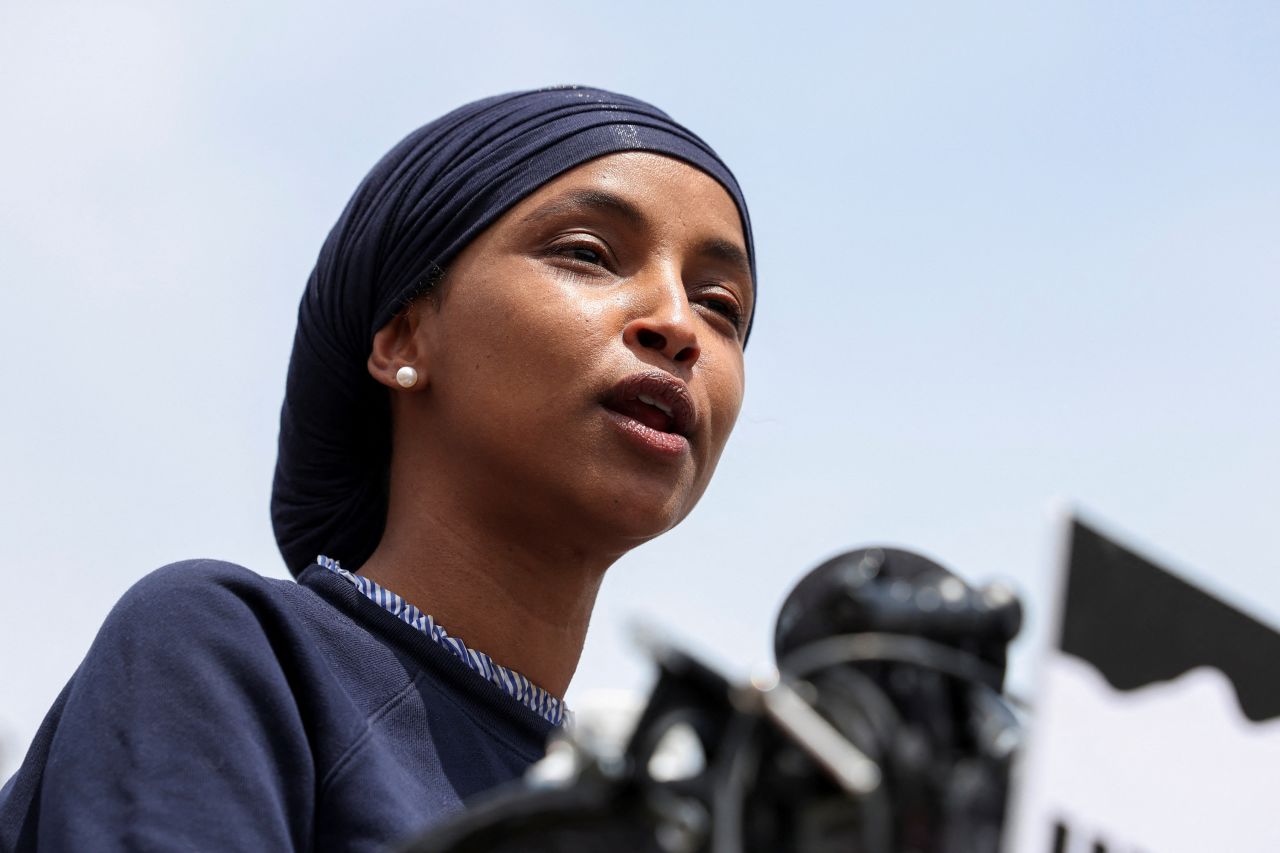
x,y
665,391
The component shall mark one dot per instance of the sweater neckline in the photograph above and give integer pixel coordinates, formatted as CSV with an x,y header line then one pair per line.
x,y
513,684
488,702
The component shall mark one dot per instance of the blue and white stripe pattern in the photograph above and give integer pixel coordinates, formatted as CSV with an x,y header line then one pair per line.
x,y
510,682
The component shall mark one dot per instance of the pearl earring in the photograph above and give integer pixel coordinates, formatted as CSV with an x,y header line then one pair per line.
x,y
407,377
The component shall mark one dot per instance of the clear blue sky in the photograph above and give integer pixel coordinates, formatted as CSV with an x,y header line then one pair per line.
x,y
1009,253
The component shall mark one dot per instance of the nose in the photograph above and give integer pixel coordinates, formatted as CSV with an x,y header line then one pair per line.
x,y
665,323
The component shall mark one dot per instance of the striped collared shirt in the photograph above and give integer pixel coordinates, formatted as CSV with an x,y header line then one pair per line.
x,y
508,681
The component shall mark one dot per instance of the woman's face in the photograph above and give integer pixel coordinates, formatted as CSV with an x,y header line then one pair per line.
x,y
582,359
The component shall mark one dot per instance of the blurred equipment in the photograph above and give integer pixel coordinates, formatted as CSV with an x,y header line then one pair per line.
x,y
883,730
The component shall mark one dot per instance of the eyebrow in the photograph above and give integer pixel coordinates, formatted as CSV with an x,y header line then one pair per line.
x,y
727,252
581,201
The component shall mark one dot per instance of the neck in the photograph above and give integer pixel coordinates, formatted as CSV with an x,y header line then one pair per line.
x,y
521,599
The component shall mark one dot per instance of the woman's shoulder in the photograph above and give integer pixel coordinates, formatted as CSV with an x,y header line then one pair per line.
x,y
200,580
205,628
194,600
189,692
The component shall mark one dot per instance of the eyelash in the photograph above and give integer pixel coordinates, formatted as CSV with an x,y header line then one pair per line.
x,y
569,252
720,306
728,309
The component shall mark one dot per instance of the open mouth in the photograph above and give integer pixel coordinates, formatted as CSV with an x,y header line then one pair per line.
x,y
657,402
652,413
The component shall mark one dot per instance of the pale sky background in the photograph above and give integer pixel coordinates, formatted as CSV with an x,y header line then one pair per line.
x,y
1009,253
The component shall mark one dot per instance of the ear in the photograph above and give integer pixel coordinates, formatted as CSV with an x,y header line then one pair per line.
x,y
398,344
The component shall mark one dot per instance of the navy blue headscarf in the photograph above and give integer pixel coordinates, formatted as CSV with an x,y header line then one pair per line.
x,y
419,207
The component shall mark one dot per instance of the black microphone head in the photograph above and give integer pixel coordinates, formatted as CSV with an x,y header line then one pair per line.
x,y
891,590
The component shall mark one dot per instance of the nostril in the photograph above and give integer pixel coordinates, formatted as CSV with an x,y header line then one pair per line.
x,y
686,354
650,339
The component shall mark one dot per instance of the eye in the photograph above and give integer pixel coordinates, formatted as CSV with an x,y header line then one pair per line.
x,y
723,306
585,254
581,252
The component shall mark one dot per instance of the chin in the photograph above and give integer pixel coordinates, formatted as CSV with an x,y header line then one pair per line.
x,y
634,518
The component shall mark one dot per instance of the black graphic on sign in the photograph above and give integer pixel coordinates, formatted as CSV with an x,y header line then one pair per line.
x,y
1138,624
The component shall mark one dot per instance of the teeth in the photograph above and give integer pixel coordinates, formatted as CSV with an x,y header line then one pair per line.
x,y
666,410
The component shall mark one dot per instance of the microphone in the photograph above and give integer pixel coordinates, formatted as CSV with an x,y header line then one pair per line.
x,y
908,661
880,590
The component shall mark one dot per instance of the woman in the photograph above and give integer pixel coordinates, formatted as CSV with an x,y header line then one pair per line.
x,y
519,356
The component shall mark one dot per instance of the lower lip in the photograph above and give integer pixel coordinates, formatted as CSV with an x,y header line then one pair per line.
x,y
664,444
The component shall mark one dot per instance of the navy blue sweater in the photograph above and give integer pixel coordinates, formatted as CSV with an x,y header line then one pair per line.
x,y
220,710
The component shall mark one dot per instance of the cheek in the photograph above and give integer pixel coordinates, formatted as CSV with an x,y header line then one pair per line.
x,y
534,338
726,392
578,325
526,306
